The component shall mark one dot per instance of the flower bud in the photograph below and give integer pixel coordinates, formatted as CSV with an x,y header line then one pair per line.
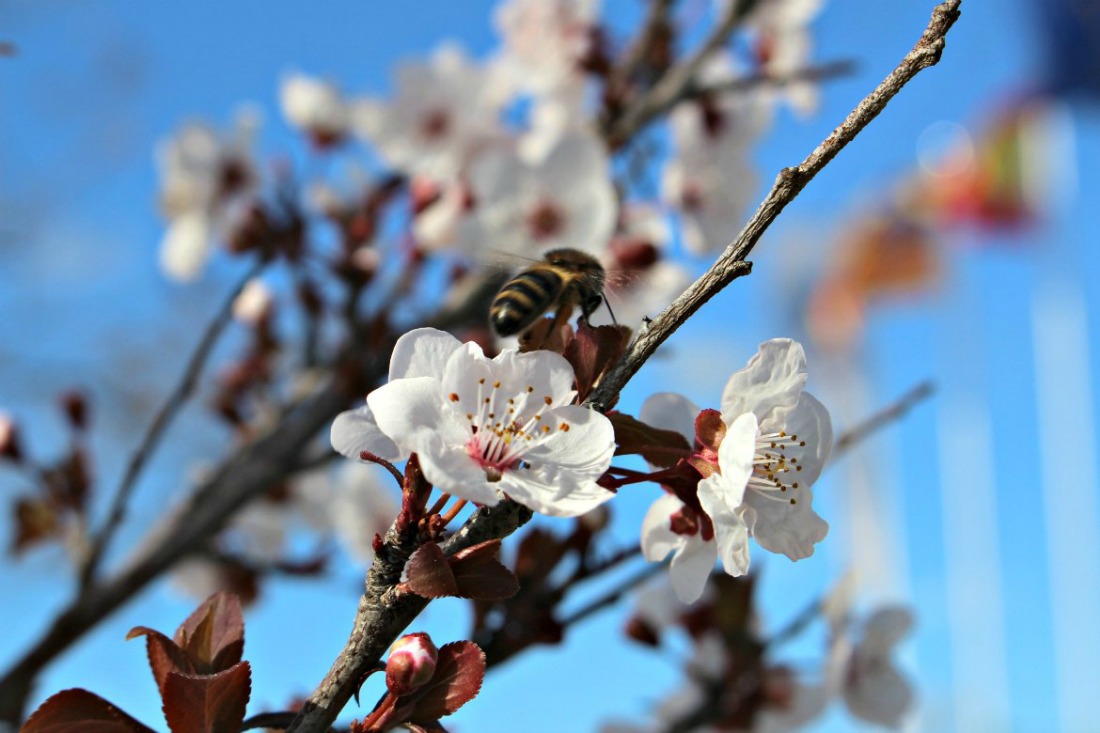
x,y
75,405
10,445
411,663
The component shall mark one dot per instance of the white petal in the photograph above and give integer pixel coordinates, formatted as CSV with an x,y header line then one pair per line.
x,y
773,378
356,431
422,352
730,531
408,409
671,411
186,246
788,529
690,568
587,446
451,469
735,456
880,695
884,629
658,539
548,373
809,420
554,491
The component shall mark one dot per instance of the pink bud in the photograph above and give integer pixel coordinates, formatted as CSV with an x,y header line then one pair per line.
x,y
411,663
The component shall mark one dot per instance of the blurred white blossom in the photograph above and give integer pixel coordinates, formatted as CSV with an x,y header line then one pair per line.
x,y
562,199
316,107
545,41
441,115
203,175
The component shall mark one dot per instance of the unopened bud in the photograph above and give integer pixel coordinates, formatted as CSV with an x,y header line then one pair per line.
x,y
75,405
10,445
411,663
642,632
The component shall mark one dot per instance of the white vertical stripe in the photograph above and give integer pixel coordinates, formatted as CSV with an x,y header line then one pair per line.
x,y
1067,442
975,596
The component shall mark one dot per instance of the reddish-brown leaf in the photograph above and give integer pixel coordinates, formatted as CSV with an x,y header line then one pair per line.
x,y
457,680
80,711
635,437
208,703
480,576
592,351
429,573
164,655
213,636
35,521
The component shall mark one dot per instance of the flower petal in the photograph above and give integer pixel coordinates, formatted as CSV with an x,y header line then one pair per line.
x,y
356,431
773,378
879,695
554,491
671,411
422,352
782,527
658,539
587,445
809,420
735,456
690,568
409,409
884,629
730,530
454,472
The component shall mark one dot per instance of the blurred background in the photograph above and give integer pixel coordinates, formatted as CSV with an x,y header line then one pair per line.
x,y
952,242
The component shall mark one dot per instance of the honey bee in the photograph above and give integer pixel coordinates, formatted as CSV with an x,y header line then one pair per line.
x,y
564,279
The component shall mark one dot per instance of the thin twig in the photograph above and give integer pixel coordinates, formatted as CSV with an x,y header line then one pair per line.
x,y
611,597
884,417
269,720
789,183
164,417
671,87
656,19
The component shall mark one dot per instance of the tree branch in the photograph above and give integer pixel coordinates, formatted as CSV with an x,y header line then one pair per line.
x,y
884,417
164,417
789,183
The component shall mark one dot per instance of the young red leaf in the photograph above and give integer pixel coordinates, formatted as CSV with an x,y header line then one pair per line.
x,y
592,351
164,655
213,636
634,437
208,703
480,576
429,573
457,680
80,711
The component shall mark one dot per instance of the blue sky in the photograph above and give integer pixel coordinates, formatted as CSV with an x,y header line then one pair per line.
x,y
95,85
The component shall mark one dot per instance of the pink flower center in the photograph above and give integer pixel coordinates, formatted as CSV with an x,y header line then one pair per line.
x,y
545,220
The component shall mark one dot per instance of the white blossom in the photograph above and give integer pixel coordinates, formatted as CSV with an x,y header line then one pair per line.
x,y
254,303
668,529
203,175
483,428
871,685
563,199
441,115
545,41
316,107
710,178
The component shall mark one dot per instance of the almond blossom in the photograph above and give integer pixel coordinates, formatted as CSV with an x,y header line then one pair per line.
x,y
203,175
777,439
563,198
483,428
545,41
710,178
864,673
316,107
441,115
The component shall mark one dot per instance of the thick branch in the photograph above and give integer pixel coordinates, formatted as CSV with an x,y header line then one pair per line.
x,y
790,182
